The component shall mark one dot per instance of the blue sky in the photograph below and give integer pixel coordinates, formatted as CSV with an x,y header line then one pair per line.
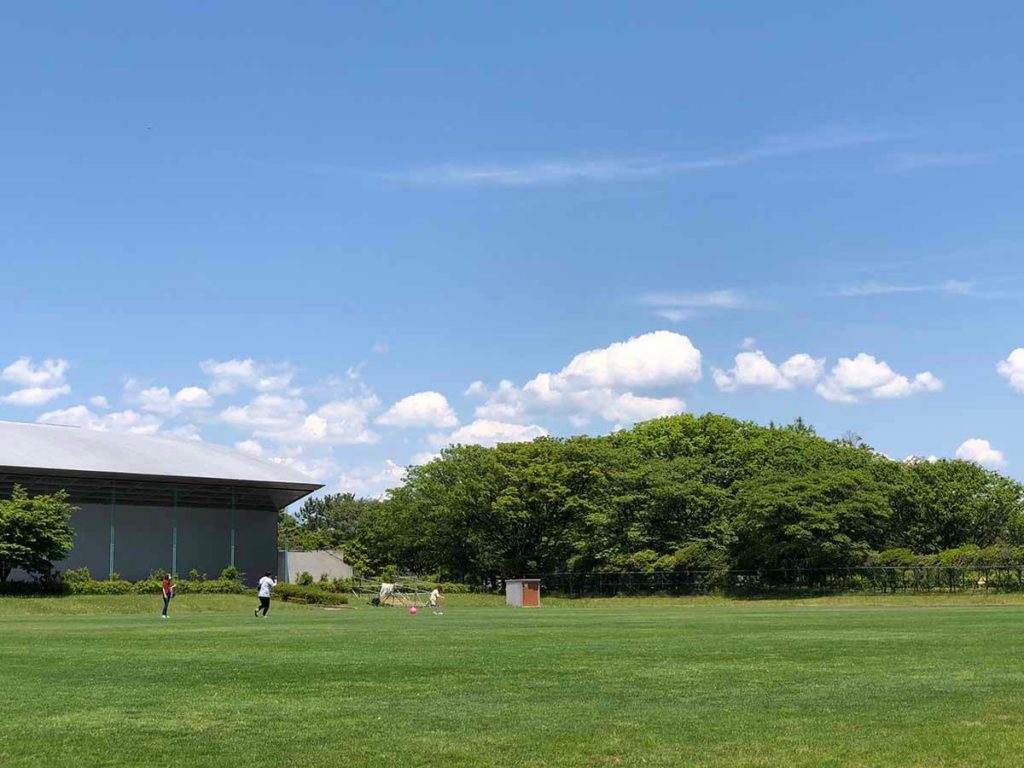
x,y
268,226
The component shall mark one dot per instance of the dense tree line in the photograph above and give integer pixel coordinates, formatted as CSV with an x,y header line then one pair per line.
x,y
678,493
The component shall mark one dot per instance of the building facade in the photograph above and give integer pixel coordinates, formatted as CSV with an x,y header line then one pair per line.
x,y
148,502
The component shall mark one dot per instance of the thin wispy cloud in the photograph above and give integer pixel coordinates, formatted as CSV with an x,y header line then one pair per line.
x,y
677,307
874,288
627,169
917,161
900,162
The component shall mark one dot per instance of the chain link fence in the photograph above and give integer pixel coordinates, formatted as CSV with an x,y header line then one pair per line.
x,y
872,580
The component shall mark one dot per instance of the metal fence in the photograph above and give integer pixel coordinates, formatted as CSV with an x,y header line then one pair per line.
x,y
1005,578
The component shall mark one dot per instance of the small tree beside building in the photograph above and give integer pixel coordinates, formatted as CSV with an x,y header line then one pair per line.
x,y
34,532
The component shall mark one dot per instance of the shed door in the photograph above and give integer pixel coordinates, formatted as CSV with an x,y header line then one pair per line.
x,y
531,594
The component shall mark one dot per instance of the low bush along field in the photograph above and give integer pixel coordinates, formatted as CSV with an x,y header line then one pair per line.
x,y
101,681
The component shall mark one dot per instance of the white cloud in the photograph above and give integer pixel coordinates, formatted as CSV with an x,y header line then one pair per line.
x,y
227,376
423,409
371,480
874,288
34,395
251,447
477,388
489,433
424,457
754,370
1012,369
607,170
630,408
654,359
286,419
23,372
749,342
120,421
320,468
39,383
594,382
677,307
99,401
863,377
184,432
981,452
160,399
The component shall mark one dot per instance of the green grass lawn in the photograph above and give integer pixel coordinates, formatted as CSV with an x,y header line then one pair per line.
x,y
101,681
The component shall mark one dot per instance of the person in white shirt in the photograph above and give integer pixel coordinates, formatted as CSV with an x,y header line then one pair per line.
x,y
435,601
267,583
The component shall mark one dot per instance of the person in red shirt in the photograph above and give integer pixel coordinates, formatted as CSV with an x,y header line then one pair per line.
x,y
168,590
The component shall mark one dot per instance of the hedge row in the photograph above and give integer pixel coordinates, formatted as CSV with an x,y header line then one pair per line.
x,y
153,587
297,593
968,556
81,584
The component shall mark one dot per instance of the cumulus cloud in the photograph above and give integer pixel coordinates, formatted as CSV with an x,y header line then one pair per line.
x,y
120,421
287,420
319,468
24,373
980,452
39,383
601,382
371,480
184,432
854,380
99,401
754,370
631,408
1012,369
423,409
488,432
160,399
251,447
267,413
34,395
424,457
227,376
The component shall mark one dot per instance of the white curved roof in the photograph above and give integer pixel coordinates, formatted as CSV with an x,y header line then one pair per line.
x,y
75,449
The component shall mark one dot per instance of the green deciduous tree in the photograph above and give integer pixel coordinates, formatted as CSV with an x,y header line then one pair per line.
x,y
34,531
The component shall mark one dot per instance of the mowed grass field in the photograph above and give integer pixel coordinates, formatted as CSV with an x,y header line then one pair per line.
x,y
102,681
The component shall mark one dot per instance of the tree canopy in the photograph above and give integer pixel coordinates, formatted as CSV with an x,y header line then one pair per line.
x,y
34,531
681,492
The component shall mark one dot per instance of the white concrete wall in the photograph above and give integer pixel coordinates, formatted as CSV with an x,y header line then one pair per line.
x,y
514,592
315,563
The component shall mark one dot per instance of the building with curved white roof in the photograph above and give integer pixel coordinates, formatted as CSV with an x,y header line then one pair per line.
x,y
149,502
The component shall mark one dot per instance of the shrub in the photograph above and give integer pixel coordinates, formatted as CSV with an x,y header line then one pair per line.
x,y
231,573
34,588
895,558
110,587
210,587
77,575
311,595
195,575
339,585
305,579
